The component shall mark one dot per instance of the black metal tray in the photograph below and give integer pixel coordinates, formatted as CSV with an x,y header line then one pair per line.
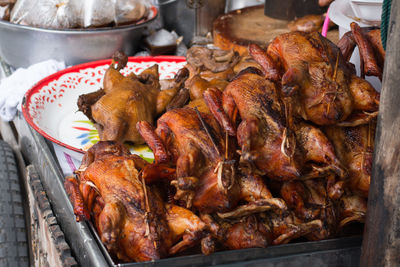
x,y
89,251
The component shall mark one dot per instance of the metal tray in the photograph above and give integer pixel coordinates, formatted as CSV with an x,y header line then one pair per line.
x,y
89,251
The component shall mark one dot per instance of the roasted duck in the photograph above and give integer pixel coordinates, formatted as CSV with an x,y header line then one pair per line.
x,y
129,215
369,43
258,199
317,82
239,233
203,157
351,208
354,147
124,101
268,144
289,227
310,201
270,148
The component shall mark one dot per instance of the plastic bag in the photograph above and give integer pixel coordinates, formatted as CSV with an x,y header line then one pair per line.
x,y
62,14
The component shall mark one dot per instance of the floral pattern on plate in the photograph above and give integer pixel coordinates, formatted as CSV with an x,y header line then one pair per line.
x,y
50,106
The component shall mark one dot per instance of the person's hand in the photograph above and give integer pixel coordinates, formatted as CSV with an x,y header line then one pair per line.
x,y
324,2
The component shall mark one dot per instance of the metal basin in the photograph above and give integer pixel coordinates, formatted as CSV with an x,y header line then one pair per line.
x,y
22,46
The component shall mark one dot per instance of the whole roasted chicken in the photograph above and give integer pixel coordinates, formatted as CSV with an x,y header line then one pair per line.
x,y
130,216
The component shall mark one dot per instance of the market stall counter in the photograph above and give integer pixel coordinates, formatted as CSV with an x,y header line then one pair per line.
x,y
83,244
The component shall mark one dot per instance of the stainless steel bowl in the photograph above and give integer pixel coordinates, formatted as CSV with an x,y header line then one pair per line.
x,y
22,46
190,18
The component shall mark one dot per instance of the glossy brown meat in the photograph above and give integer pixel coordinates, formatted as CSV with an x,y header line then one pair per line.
x,y
240,233
170,90
289,227
317,151
129,215
246,62
248,233
347,45
71,186
374,37
205,175
270,70
366,98
352,208
318,197
296,196
185,226
371,51
255,192
354,148
369,64
309,201
267,144
132,223
125,100
316,76
197,86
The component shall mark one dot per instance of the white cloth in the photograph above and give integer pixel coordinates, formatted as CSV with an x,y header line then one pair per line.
x,y
13,88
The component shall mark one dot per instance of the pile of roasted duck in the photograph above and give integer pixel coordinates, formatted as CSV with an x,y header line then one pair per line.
x,y
249,151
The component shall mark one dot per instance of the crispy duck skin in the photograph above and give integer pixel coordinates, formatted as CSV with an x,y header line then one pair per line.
x,y
243,232
374,37
267,144
371,50
245,62
309,201
184,225
318,197
317,149
354,148
295,195
128,226
315,76
248,233
172,92
369,64
80,210
317,82
125,100
205,172
352,208
130,217
347,45
197,85
255,192
285,228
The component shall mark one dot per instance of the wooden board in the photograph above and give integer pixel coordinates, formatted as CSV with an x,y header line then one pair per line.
x,y
237,29
381,244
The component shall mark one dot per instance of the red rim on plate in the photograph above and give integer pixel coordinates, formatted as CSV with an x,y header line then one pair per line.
x,y
27,100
